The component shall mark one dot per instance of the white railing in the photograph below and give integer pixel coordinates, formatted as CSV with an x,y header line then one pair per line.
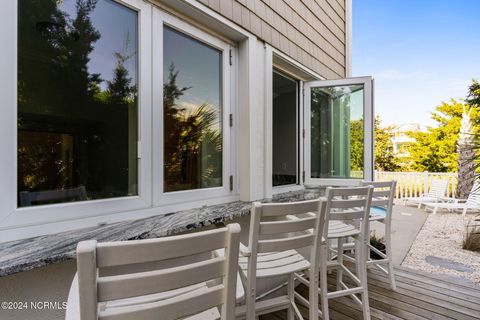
x,y
413,184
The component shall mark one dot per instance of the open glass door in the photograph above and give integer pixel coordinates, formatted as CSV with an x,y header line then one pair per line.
x,y
338,131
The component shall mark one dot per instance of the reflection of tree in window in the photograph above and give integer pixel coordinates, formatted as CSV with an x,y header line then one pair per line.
x,y
76,127
193,141
337,132
356,145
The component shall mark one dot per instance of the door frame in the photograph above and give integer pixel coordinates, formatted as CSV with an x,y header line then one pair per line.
x,y
298,129
368,132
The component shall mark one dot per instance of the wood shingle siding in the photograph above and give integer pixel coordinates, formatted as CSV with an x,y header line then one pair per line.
x,y
310,31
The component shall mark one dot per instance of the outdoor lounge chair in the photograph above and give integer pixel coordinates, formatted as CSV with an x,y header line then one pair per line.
x,y
436,193
472,203
108,286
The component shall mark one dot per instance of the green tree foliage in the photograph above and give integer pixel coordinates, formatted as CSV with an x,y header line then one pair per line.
x,y
473,98
385,158
436,149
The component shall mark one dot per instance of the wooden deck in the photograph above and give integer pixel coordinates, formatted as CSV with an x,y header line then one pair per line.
x,y
418,296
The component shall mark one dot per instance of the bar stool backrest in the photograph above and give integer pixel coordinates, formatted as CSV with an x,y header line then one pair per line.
x,y
350,205
383,195
272,231
95,289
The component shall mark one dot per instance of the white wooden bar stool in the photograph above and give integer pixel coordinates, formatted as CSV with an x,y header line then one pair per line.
x,y
271,252
381,211
182,290
346,210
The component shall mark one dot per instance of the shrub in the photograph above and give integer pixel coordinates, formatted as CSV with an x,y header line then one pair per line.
x,y
378,243
471,239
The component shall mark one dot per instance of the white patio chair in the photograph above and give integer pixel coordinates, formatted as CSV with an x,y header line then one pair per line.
x,y
271,252
472,203
177,291
347,210
436,193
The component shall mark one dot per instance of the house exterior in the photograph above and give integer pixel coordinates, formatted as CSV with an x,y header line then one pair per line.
x,y
400,138
124,109
116,110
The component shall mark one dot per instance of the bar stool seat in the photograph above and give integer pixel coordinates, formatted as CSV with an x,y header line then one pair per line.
x,y
74,301
276,263
338,229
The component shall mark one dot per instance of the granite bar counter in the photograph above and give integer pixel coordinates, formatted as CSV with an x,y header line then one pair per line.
x,y
21,255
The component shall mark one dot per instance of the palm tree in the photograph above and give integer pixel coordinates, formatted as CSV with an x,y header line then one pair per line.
x,y
466,155
473,99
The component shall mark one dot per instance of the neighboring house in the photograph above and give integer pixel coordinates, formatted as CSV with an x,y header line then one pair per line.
x,y
115,110
400,138
126,109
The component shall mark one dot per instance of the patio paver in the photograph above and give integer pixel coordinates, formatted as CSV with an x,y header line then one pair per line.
x,y
406,224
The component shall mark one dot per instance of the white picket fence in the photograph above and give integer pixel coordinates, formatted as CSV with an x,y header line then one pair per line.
x,y
413,184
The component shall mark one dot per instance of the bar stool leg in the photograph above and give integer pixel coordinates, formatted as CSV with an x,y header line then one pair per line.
x,y
388,251
313,295
361,262
323,281
340,262
291,296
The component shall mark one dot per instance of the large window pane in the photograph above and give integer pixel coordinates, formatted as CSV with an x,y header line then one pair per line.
x,y
337,132
77,101
285,100
192,109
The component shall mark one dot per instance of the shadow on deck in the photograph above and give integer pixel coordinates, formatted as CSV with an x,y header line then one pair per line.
x,y
418,296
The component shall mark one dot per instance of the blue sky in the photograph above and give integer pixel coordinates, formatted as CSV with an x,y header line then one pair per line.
x,y
420,52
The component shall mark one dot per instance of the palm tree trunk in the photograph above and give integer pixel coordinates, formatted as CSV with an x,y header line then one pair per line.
x,y
466,156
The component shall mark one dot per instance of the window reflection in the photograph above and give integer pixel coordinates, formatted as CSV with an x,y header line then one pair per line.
x,y
192,113
77,101
337,132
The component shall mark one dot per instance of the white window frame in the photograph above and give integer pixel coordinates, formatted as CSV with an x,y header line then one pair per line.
x,y
161,18
301,73
12,216
368,112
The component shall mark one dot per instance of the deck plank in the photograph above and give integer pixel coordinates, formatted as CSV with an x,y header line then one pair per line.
x,y
439,285
418,296
446,299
